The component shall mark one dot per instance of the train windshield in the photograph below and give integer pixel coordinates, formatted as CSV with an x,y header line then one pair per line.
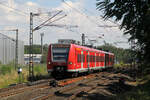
x,y
60,54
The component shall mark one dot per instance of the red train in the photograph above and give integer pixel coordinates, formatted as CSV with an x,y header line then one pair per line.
x,y
64,59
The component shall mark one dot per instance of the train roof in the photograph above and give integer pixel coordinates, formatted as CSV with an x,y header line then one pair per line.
x,y
83,47
87,48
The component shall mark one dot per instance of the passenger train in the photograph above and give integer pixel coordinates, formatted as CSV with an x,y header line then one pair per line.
x,y
72,59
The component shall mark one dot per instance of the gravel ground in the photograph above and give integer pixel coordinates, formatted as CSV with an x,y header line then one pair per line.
x,y
102,87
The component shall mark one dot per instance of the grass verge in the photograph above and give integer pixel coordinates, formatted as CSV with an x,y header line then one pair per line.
x,y
8,75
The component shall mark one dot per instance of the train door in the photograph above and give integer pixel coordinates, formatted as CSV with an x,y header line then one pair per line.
x,y
82,60
103,60
94,59
78,59
88,61
97,62
93,63
106,60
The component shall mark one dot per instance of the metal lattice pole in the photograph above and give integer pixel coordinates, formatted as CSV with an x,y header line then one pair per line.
x,y
83,39
42,34
16,56
31,72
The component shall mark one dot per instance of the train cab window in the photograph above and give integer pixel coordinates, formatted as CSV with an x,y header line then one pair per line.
x,y
60,54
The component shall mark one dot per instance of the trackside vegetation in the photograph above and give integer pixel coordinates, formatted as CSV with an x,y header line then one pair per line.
x,y
134,16
8,75
140,92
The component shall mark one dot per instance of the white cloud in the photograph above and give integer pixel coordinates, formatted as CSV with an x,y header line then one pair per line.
x,y
87,24
29,3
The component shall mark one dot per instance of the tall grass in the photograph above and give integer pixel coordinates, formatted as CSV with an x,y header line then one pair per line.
x,y
40,69
5,69
8,74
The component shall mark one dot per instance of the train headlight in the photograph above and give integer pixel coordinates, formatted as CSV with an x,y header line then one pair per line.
x,y
49,62
70,63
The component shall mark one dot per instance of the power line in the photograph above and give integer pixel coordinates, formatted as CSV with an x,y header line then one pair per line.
x,y
41,25
79,12
91,20
56,20
16,10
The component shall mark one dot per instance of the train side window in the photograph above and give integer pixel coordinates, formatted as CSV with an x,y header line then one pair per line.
x,y
94,58
87,58
78,58
90,58
83,58
100,58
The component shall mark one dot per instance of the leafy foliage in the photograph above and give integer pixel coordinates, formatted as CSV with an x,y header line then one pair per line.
x,y
135,18
37,50
121,55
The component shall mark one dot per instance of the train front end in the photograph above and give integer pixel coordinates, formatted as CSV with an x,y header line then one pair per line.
x,y
57,59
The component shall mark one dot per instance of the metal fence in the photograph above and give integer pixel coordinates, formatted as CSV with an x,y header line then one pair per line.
x,y
7,50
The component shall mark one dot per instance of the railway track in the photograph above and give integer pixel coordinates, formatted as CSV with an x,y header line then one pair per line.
x,y
22,88
69,85
44,84
74,87
12,87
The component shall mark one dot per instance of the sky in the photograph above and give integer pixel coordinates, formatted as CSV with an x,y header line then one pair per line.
x,y
15,14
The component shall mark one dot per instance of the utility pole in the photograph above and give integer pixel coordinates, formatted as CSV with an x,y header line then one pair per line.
x,y
31,64
16,56
42,34
31,71
83,39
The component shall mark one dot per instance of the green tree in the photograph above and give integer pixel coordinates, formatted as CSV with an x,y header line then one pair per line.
x,y
121,55
135,20
37,50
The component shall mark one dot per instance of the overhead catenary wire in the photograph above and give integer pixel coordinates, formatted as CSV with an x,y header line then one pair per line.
x,y
42,24
16,10
56,19
101,16
93,21
20,12
79,12
83,14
